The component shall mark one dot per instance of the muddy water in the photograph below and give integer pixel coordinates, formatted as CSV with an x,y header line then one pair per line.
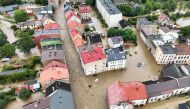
x,y
185,21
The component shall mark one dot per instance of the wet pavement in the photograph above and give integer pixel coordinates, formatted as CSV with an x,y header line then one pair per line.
x,y
94,97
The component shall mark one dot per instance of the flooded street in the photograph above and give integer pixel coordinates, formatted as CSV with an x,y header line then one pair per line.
x,y
185,21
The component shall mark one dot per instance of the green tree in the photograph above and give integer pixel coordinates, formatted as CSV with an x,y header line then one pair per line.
x,y
157,5
3,38
41,2
139,11
148,6
188,5
24,94
185,31
25,44
90,2
8,50
2,103
126,10
21,16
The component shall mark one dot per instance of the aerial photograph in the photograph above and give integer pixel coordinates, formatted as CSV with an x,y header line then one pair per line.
x,y
94,54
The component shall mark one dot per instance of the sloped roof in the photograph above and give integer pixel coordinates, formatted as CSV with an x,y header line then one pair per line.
x,y
121,92
171,70
85,9
54,73
51,26
74,25
55,64
46,32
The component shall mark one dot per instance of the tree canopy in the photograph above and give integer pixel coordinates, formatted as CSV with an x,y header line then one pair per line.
x,y
9,2
8,50
3,38
41,2
25,44
21,16
185,31
90,2
24,94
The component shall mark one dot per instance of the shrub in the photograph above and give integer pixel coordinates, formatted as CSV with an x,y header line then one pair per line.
x,y
8,67
14,27
24,94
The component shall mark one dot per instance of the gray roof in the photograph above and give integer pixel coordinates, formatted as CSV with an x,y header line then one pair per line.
x,y
116,2
47,16
29,23
12,72
143,21
110,7
8,8
114,54
187,67
47,8
171,70
59,99
167,49
116,39
44,32
53,54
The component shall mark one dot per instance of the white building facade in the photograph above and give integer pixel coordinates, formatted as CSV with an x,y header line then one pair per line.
x,y
110,13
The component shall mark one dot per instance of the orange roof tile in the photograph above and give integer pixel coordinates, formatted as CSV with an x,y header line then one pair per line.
x,y
54,73
54,64
74,25
85,9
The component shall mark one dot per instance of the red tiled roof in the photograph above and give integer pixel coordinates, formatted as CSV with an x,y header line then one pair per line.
x,y
92,55
77,38
182,49
54,73
85,9
70,15
51,26
54,64
121,92
74,25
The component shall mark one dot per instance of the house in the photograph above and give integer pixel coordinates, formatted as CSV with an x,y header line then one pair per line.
x,y
172,70
85,12
123,95
10,8
116,58
164,20
67,7
52,74
167,54
54,3
43,10
33,85
77,1
124,24
51,26
54,64
115,42
148,30
93,59
42,34
141,22
183,106
72,17
28,8
32,24
94,37
52,50
77,38
110,13
58,99
118,2
74,25
48,19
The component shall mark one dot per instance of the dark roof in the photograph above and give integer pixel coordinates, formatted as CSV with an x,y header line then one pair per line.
x,y
94,38
116,39
44,32
29,23
12,72
57,85
183,106
183,38
110,7
144,21
124,23
167,49
47,16
31,82
115,54
171,70
8,8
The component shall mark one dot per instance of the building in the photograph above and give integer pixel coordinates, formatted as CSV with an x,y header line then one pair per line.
x,y
52,49
74,25
67,7
48,19
115,42
33,85
93,59
51,26
72,17
183,106
54,3
32,24
85,12
76,1
164,20
94,37
110,13
77,38
185,69
116,58
42,34
58,99
10,8
43,10
54,64
125,95
141,22
52,74
167,54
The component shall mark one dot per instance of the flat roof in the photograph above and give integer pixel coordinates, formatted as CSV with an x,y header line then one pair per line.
x,y
167,49
110,7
